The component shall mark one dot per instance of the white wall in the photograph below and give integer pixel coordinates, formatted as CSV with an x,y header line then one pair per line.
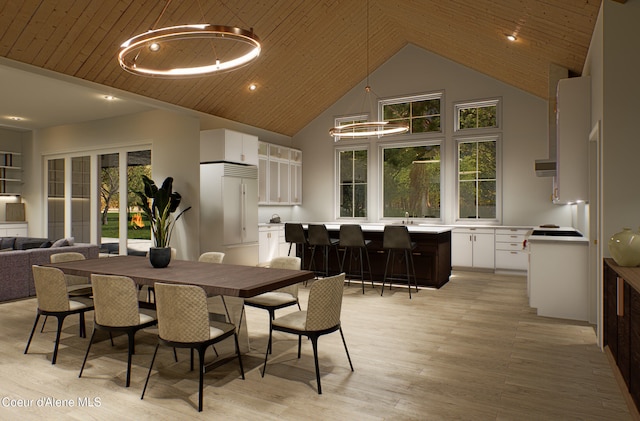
x,y
526,198
175,143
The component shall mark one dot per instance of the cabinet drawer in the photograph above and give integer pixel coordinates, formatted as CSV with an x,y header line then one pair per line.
x,y
512,246
506,238
511,260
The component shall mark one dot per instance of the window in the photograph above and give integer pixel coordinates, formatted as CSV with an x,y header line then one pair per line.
x,y
477,115
411,181
421,113
477,178
352,185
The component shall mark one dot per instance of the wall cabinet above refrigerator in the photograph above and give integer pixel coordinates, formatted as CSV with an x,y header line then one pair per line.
x,y
227,145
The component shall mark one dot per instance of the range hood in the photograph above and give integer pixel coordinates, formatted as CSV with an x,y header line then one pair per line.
x,y
546,167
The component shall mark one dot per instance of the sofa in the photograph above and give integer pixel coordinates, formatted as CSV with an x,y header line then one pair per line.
x,y
16,277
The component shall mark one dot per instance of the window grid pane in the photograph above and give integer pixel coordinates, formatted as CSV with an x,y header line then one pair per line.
x,y
477,185
353,183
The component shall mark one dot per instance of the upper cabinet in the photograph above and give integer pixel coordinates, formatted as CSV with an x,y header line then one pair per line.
x,y
228,145
10,173
279,175
573,116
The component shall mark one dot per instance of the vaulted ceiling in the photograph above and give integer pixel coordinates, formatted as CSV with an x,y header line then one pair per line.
x,y
314,51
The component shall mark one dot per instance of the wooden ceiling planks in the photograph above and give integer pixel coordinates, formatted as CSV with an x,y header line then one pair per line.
x,y
314,51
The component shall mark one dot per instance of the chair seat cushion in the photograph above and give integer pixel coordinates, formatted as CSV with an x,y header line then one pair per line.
x,y
76,305
145,318
296,320
271,299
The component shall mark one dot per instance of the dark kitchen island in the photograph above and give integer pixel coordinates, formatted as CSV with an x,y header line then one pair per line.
x,y
432,256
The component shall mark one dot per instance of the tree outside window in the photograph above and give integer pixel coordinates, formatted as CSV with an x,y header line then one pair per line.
x,y
411,181
477,180
477,115
421,113
353,183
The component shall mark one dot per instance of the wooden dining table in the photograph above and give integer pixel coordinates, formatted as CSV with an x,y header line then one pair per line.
x,y
235,282
214,278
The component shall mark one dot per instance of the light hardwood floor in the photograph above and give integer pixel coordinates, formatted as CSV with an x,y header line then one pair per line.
x,y
470,350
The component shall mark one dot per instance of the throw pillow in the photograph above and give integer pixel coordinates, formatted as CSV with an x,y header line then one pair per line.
x,y
45,245
60,243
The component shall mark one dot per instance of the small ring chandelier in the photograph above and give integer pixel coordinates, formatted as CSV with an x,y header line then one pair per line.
x,y
138,54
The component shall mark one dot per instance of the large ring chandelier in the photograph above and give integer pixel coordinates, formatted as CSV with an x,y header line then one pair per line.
x,y
137,53
367,129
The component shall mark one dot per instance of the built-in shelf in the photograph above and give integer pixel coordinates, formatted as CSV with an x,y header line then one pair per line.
x,y
10,173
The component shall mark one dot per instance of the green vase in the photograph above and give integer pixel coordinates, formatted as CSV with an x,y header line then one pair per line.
x,y
624,247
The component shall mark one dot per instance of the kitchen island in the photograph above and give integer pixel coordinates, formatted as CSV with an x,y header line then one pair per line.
x,y
432,256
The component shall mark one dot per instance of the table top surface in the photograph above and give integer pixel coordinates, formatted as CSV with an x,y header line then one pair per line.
x,y
214,278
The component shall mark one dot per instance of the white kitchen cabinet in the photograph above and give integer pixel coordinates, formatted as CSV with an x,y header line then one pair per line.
x,y
573,126
279,174
510,254
228,145
473,248
271,239
13,230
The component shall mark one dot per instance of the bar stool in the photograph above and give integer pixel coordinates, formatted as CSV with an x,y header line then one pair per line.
x,y
397,241
352,239
319,237
294,234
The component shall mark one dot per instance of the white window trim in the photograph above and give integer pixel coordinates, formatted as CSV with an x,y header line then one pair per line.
x,y
336,178
477,103
418,97
480,221
443,160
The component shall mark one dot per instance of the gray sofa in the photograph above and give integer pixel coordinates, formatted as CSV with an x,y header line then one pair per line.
x,y
16,278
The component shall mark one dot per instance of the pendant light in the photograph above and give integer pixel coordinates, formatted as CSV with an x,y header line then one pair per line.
x,y
367,128
216,48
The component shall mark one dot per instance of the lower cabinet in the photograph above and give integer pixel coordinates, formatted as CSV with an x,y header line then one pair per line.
x,y
622,322
510,254
473,248
13,230
270,242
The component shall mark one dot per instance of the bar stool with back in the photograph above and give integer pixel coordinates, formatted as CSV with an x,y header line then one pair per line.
x,y
397,241
319,237
352,239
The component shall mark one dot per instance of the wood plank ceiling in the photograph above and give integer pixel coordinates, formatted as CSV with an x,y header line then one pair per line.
x,y
314,51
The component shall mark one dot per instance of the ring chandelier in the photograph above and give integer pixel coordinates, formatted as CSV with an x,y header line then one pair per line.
x,y
153,41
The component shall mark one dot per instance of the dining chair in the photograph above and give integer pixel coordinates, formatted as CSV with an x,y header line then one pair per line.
x,y
319,238
77,286
355,246
211,257
279,298
53,300
397,241
183,322
115,299
321,317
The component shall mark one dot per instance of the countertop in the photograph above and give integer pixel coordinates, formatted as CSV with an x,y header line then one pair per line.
x,y
552,239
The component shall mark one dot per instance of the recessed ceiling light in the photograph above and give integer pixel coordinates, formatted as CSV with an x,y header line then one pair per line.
x,y
154,46
253,87
109,97
511,38
14,118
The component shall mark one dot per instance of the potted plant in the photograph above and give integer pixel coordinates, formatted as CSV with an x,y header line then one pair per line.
x,y
159,204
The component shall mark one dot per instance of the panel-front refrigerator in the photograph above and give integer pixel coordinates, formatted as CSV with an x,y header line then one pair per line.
x,y
229,211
